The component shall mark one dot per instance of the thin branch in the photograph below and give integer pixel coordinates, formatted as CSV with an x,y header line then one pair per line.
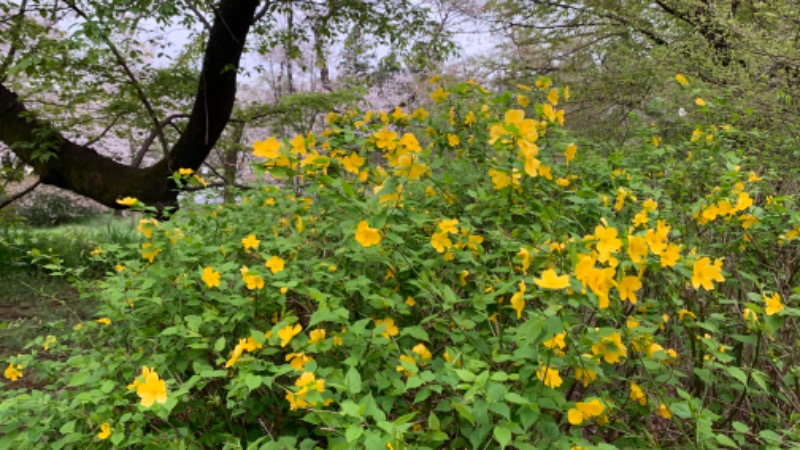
x,y
104,132
137,160
198,14
19,194
13,31
131,77
263,11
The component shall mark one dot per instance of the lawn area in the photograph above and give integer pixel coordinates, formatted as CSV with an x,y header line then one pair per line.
x,y
35,302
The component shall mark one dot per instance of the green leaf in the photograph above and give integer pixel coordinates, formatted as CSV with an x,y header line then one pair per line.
x,y
353,433
726,441
502,435
353,381
737,373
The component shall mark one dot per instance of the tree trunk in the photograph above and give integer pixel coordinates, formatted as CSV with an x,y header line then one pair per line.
x,y
63,163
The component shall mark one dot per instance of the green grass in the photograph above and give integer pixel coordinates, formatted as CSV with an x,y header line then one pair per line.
x,y
35,303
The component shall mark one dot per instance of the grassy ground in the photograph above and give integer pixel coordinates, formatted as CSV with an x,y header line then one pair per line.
x,y
32,301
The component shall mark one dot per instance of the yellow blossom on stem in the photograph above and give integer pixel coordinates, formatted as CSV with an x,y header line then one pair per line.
x,y
317,335
704,273
367,236
391,328
585,376
774,304
627,288
664,411
549,377
288,332
250,242
151,390
441,242
637,394
611,348
681,79
13,372
127,201
584,411
422,351
551,280
518,300
210,277
105,431
570,151
275,264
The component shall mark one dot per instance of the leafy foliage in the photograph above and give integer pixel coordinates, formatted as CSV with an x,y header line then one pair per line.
x,y
463,277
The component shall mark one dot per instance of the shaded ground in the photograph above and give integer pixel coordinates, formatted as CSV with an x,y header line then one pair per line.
x,y
34,304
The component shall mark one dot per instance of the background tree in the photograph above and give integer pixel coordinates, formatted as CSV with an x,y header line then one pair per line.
x,y
84,57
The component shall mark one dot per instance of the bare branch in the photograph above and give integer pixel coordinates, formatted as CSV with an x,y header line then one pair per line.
x,y
137,159
19,194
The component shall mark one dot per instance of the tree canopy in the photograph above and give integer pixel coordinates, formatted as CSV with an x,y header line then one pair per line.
x,y
75,72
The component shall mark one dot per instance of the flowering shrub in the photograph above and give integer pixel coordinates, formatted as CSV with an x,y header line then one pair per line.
x,y
465,276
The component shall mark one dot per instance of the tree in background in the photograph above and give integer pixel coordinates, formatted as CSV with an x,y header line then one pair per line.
x,y
72,72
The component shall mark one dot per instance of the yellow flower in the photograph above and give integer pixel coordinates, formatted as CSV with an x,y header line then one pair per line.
x,y
104,321
253,281
525,255
748,220
685,312
664,411
409,360
754,177
585,376
275,264
441,242
127,201
611,348
105,431
367,236
749,315
585,410
774,304
410,301
250,242
353,162
422,351
518,300
637,249
523,100
13,372
391,328
210,277
439,95
557,343
681,79
627,288
671,255
288,332
185,172
638,395
551,280
700,102
552,97
298,361
317,335
570,152
453,140
705,273
449,226
269,148
153,389
549,377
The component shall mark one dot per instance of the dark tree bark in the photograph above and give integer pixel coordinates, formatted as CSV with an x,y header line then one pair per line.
x,y
83,170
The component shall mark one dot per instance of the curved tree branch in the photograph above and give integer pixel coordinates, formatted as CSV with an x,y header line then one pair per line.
x,y
11,199
63,163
